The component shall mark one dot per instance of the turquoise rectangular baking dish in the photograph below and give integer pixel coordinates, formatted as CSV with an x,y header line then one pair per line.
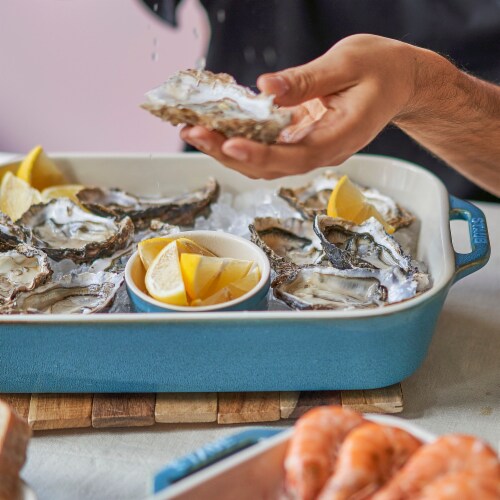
x,y
244,351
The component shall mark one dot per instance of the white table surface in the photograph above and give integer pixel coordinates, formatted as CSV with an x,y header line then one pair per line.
x,y
456,390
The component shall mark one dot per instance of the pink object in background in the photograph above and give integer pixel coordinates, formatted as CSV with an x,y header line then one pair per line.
x,y
74,72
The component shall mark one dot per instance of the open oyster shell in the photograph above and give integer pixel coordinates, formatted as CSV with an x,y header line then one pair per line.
x,y
348,245
73,294
11,234
64,231
175,210
22,269
312,199
319,288
217,102
287,242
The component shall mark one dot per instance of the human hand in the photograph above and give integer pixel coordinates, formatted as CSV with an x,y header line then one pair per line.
x,y
339,103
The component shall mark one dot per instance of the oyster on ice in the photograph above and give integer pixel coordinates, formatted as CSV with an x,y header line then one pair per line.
x,y
10,233
217,102
287,242
22,269
73,294
312,199
175,210
319,288
348,245
63,230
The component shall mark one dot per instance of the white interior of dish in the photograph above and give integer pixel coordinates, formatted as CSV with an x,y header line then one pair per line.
x,y
413,187
220,244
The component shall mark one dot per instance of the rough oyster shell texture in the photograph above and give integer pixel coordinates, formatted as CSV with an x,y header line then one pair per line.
x,y
11,234
64,231
317,288
175,210
22,269
76,293
217,102
312,199
288,243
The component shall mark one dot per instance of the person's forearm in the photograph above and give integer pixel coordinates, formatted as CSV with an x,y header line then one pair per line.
x,y
457,117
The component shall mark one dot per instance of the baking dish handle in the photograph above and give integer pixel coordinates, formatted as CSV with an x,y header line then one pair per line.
x,y
467,263
208,455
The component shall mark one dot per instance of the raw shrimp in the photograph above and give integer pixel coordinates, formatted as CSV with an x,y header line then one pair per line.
x,y
462,456
369,456
313,449
461,485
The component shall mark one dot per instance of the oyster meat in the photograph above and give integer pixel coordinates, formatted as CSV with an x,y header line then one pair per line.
x,y
63,230
22,269
73,294
287,242
175,210
348,245
217,102
319,288
10,233
312,199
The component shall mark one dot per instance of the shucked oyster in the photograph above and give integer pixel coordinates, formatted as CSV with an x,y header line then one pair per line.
x,y
78,293
287,242
64,231
329,288
312,199
175,210
10,233
367,245
22,269
217,102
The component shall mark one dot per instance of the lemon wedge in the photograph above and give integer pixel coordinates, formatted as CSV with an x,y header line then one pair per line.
x,y
65,191
149,249
232,270
16,196
164,277
199,272
348,202
39,171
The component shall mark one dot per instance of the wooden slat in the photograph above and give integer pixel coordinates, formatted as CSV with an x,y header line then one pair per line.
x,y
175,408
294,404
60,411
235,408
20,403
385,400
123,410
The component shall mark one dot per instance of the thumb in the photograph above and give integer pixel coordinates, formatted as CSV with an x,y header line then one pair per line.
x,y
293,86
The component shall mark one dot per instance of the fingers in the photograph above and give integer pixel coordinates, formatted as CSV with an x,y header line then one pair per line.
x,y
323,76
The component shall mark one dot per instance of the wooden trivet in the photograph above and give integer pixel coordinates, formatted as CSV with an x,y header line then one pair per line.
x,y
70,411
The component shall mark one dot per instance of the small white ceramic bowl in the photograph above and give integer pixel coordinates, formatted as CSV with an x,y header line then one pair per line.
x,y
222,245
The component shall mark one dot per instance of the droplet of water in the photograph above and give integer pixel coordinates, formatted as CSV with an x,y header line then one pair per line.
x,y
154,56
201,63
155,7
270,56
221,15
155,41
249,54
195,33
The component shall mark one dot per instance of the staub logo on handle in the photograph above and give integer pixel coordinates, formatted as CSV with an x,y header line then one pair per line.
x,y
478,229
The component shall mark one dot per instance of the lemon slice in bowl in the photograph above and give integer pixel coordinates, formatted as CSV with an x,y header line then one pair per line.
x,y
65,191
232,271
199,273
164,277
39,171
348,202
17,196
149,249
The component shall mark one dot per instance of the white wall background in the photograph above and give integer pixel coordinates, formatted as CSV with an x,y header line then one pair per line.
x,y
73,73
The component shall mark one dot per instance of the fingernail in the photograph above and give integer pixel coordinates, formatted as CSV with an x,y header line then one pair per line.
x,y
278,84
236,152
